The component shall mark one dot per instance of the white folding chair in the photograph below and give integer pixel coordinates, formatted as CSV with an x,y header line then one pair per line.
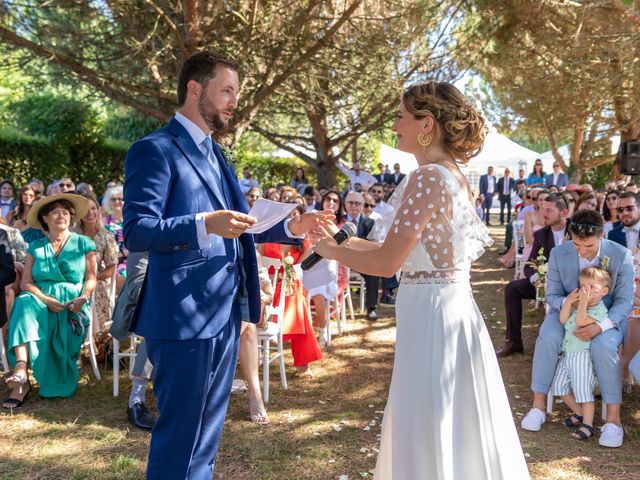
x,y
273,330
3,354
518,242
357,281
89,338
130,352
347,301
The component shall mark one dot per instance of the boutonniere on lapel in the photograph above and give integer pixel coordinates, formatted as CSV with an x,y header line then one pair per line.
x,y
227,154
605,264
540,267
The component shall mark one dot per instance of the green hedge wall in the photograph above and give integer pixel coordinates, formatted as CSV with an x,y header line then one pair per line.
x,y
23,157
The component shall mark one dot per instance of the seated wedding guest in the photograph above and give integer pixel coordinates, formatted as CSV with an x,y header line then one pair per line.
x,y
112,205
272,194
554,213
609,211
137,412
37,186
18,249
7,198
572,198
106,259
574,380
84,188
299,181
53,188
479,209
354,203
66,185
587,249
287,194
252,196
18,217
309,199
49,319
626,234
369,207
321,281
296,324
381,207
587,201
248,352
7,271
521,209
553,189
537,177
533,221
247,182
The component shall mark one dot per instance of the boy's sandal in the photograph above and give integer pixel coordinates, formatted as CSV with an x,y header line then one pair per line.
x,y
580,434
573,420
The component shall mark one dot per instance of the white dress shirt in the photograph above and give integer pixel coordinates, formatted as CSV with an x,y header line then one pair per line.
x,y
632,237
490,184
363,178
206,240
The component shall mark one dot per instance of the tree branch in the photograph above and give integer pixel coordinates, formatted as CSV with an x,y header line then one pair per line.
x,y
273,139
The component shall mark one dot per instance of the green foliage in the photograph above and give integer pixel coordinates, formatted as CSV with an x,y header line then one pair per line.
x,y
597,176
129,125
25,156
270,170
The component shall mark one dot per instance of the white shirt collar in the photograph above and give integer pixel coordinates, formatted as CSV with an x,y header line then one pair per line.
x,y
194,131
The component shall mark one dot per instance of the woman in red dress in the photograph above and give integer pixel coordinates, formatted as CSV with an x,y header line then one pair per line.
x,y
296,324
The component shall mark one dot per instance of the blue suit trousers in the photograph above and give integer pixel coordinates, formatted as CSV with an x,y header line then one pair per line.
x,y
192,385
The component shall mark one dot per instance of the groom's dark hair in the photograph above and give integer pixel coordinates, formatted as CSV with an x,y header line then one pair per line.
x,y
201,67
586,223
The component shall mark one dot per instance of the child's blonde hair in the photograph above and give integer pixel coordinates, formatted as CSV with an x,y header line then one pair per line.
x,y
597,274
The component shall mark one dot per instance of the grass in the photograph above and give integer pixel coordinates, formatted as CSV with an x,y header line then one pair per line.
x,y
325,428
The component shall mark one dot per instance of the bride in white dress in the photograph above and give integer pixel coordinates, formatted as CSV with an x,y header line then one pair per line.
x,y
447,416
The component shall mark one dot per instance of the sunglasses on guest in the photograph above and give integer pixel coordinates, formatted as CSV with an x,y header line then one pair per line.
x,y
369,205
628,208
612,197
117,199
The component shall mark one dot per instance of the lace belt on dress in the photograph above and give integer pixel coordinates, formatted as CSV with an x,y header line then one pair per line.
x,y
436,277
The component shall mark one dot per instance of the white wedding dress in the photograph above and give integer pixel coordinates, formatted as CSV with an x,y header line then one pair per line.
x,y
447,416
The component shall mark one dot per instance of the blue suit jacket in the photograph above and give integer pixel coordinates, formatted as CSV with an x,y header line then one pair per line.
x,y
484,184
562,279
617,235
563,180
188,292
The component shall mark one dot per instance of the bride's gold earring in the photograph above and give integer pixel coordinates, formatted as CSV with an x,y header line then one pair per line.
x,y
425,140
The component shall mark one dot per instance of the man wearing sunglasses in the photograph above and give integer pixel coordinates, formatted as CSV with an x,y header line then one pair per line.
x,y
588,248
626,232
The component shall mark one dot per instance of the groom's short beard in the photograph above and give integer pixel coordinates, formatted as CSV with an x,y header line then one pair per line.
x,y
210,114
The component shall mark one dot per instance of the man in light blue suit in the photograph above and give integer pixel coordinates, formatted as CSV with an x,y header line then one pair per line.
x,y
557,178
184,206
587,249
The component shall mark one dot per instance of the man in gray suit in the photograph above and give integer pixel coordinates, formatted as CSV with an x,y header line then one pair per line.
x,y
587,249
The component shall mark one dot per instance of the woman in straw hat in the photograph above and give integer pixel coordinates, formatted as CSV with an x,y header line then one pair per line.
x,y
49,319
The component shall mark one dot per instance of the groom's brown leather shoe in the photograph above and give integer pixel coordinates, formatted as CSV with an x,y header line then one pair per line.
x,y
509,348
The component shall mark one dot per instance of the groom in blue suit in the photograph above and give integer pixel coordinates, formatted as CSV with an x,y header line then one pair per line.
x,y
184,206
587,249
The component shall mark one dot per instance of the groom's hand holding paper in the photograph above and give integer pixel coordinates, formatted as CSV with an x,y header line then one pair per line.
x,y
268,213
227,223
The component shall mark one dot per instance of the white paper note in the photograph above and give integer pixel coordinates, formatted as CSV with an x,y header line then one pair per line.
x,y
268,214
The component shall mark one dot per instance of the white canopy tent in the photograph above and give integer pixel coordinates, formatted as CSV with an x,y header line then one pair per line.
x,y
499,152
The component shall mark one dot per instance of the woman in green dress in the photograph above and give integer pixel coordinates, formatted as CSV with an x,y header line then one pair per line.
x,y
50,318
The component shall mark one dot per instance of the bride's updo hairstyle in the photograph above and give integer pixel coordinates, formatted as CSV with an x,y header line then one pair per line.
x,y
462,125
